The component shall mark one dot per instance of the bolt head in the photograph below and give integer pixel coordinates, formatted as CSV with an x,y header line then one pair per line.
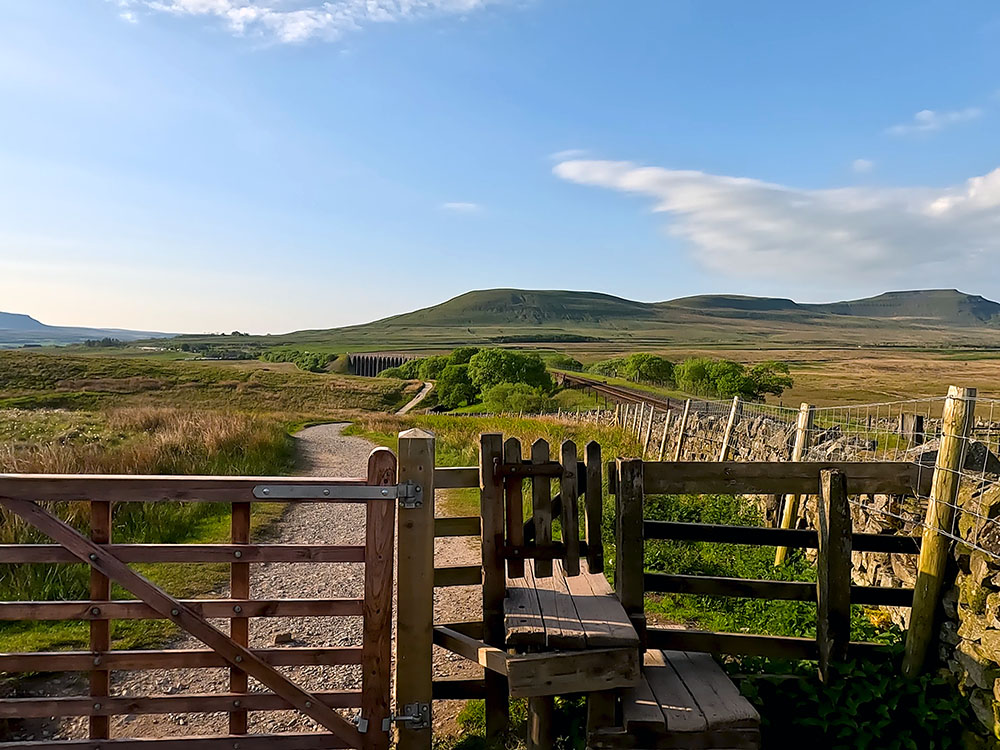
x,y
95,611
92,556
385,493
236,704
238,659
326,493
238,553
309,704
97,660
97,706
266,491
418,488
237,609
175,612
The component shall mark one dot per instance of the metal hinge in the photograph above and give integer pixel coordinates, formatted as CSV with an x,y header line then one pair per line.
x,y
409,493
414,716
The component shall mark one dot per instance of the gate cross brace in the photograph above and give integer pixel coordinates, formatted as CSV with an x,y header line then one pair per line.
x,y
175,611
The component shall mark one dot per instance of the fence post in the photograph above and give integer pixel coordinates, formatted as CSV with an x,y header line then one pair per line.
x,y
680,430
649,430
727,436
790,513
663,438
494,582
629,547
100,630
959,409
415,596
833,570
594,504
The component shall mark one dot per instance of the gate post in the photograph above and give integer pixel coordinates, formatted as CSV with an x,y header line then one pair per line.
x,y
415,592
491,499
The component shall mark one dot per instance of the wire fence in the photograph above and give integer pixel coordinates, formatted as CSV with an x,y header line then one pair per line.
x,y
903,431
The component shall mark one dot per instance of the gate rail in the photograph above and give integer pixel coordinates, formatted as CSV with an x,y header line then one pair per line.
x,y
109,563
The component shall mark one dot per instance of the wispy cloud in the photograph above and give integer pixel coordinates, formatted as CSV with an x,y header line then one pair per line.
x,y
570,153
292,21
464,207
862,166
929,120
129,16
740,225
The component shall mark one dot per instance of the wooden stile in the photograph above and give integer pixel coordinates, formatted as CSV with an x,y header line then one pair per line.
x,y
630,547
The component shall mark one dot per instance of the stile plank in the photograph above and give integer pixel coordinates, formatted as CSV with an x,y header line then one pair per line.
x,y
594,506
522,613
717,697
680,710
570,510
541,506
513,486
603,618
563,628
641,710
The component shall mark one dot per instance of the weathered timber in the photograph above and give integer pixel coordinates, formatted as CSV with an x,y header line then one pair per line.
x,y
833,571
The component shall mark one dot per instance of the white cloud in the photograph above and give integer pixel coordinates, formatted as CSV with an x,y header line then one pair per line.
x,y
293,21
929,120
128,16
862,166
739,225
464,207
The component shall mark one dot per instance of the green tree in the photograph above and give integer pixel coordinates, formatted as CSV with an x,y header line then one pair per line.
x,y
454,388
769,378
430,367
494,366
612,368
561,361
647,368
462,355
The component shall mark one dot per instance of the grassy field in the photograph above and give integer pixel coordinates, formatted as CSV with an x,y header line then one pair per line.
x,y
94,414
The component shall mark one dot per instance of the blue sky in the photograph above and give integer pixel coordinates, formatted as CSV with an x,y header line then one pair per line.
x,y
270,165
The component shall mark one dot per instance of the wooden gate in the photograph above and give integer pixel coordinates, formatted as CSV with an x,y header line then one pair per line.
x,y
109,564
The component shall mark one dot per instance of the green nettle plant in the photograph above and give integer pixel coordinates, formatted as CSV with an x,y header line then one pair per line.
x,y
866,705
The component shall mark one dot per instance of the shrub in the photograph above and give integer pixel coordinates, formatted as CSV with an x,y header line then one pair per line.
x,y
430,367
462,355
724,378
517,397
608,367
308,361
560,361
647,368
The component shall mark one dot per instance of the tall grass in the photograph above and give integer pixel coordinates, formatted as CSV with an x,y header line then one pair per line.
x,y
147,440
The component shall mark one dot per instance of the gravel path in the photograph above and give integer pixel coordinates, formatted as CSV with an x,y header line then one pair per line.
x,y
323,451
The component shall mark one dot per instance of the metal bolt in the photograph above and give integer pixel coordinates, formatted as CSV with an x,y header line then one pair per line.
x,y
266,491
236,704
309,704
326,493
238,553
97,706
385,493
418,488
237,609
236,746
238,659
175,612
97,660
95,611
92,556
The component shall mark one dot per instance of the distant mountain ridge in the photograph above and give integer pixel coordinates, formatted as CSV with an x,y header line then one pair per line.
x,y
536,316
18,329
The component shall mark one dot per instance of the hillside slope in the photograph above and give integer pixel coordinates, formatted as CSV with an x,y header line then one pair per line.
x,y
17,329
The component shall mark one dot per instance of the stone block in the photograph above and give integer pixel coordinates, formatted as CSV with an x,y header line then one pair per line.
x,y
972,626
981,670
